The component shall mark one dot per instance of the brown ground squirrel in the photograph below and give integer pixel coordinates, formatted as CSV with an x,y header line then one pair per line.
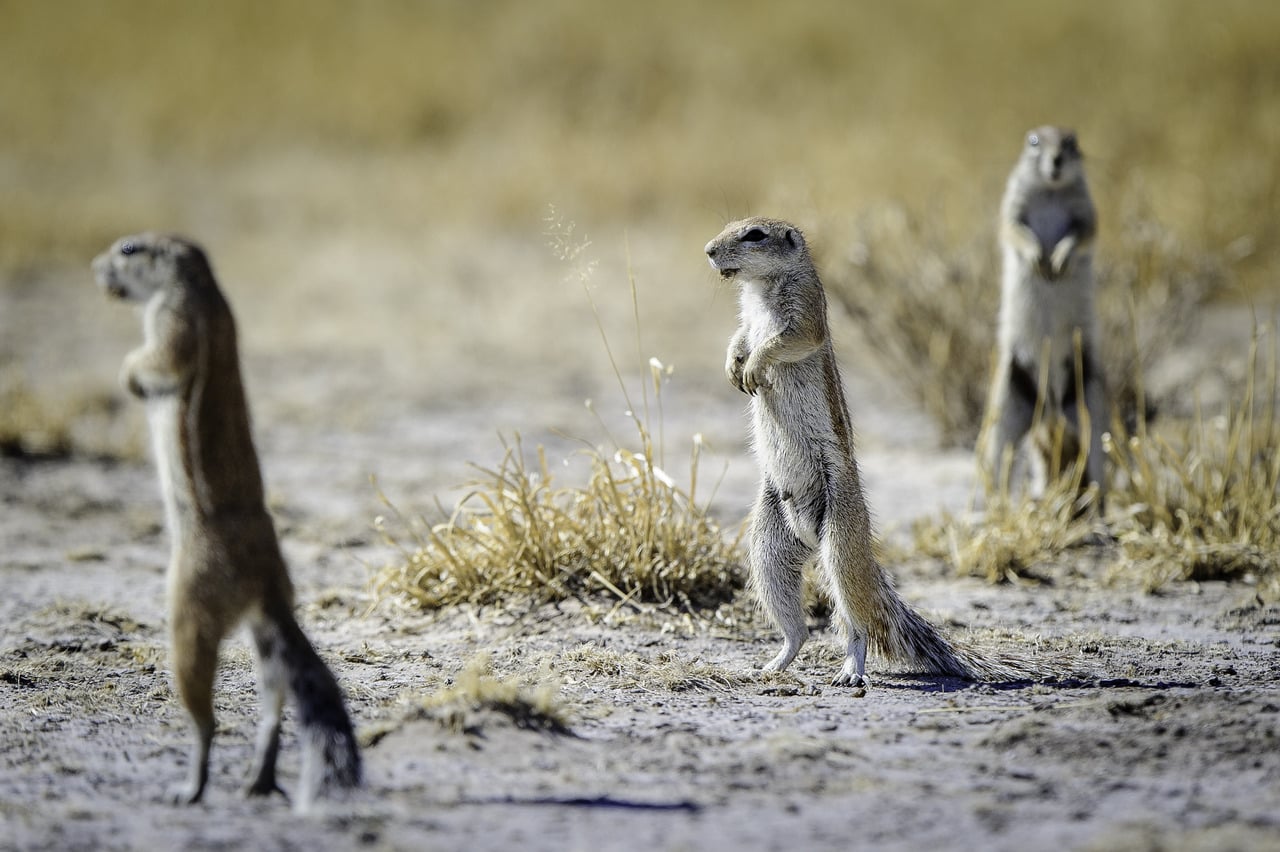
x,y
1047,228
226,565
811,502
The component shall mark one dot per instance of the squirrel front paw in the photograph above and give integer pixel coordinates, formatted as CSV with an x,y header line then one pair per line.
x,y
1044,265
1059,260
129,381
733,370
753,377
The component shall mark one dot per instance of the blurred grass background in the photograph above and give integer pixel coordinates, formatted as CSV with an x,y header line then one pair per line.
x,y
236,116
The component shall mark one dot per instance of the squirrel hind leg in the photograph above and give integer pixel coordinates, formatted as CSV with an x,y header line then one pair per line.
x,y
273,679
790,648
195,661
777,560
191,790
854,670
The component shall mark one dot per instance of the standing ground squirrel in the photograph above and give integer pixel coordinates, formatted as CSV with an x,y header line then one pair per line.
x,y
1047,227
225,566
811,501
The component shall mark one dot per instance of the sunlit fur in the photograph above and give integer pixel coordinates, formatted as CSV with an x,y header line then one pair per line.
x,y
811,503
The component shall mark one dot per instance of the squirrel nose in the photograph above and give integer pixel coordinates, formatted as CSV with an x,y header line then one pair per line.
x,y
710,249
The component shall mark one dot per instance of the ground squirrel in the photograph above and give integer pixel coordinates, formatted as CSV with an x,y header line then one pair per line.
x,y
811,501
1047,227
225,566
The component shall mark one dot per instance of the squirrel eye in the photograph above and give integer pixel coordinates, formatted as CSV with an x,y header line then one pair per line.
x,y
755,235
1033,140
128,248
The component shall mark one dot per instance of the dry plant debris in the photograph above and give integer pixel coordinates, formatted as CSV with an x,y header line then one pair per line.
x,y
476,694
664,671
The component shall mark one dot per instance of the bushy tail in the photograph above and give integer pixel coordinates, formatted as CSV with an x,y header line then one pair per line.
x,y
330,756
904,637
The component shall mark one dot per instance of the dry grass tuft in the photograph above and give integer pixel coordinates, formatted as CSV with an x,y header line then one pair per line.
x,y
1203,497
68,647
476,694
629,532
926,303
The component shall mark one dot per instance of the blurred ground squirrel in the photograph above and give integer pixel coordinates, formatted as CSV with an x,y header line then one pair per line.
x,y
811,501
1047,228
226,565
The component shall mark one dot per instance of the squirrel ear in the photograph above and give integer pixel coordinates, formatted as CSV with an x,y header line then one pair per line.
x,y
791,238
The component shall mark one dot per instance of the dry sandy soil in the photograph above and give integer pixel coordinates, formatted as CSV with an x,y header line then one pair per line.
x,y
1159,733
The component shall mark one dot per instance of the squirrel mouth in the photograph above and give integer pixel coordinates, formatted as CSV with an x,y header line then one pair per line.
x,y
727,272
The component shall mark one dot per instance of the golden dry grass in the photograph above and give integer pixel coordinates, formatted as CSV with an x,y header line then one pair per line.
x,y
628,534
247,121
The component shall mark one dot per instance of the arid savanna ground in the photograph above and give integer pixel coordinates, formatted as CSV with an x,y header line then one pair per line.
x,y
429,218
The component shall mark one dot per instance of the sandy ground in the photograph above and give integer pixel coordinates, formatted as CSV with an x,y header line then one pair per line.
x,y
1160,733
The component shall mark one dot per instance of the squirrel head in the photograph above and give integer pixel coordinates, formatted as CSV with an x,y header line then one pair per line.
x,y
1053,154
137,267
758,248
